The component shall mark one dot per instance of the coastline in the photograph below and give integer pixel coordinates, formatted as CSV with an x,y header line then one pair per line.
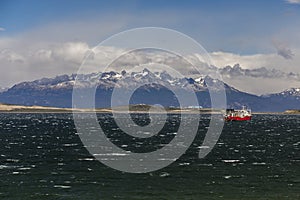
x,y
9,108
6,108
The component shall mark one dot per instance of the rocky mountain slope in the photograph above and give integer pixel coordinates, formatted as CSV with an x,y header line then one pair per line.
x,y
156,88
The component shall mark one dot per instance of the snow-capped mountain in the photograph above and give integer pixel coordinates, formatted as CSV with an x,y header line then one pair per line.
x,y
112,79
156,88
293,92
289,93
57,91
288,99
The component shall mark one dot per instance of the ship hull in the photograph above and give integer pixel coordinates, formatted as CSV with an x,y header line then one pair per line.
x,y
237,118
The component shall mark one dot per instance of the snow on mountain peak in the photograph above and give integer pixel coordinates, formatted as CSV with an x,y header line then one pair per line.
x,y
114,79
292,92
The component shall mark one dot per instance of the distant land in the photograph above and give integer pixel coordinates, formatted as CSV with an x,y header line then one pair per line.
x,y
292,112
57,91
141,108
21,108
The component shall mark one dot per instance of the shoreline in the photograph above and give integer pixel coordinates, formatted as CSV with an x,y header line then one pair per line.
x,y
133,112
138,109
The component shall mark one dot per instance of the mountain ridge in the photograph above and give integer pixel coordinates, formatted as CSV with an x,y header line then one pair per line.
x,y
57,91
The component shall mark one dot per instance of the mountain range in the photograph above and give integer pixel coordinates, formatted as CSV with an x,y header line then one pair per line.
x,y
155,88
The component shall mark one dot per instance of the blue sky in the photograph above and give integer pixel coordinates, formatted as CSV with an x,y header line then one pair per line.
x,y
253,33
219,25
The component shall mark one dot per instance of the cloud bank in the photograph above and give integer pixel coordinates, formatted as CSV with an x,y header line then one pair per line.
x,y
283,50
262,72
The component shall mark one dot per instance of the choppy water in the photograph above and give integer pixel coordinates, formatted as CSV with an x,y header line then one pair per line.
x,y
42,157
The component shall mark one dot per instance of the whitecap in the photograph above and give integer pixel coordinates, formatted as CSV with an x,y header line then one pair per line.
x,y
111,154
86,159
171,159
70,145
256,163
184,164
62,186
164,174
203,147
231,161
24,168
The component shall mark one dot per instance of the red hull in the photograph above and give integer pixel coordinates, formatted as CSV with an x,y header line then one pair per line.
x,y
236,118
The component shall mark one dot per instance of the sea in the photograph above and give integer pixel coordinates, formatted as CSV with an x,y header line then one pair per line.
x,y
43,157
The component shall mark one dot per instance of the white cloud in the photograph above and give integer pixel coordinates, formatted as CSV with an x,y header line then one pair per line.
x,y
293,1
10,56
283,49
270,61
2,29
19,65
70,51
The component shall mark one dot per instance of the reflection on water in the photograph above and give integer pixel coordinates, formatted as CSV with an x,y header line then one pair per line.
x,y
42,157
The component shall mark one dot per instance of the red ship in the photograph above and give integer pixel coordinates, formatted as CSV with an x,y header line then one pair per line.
x,y
238,115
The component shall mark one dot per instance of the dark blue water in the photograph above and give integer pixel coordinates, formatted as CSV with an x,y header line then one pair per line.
x,y
42,157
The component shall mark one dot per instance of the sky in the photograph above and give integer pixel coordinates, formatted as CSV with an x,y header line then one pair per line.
x,y
47,38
